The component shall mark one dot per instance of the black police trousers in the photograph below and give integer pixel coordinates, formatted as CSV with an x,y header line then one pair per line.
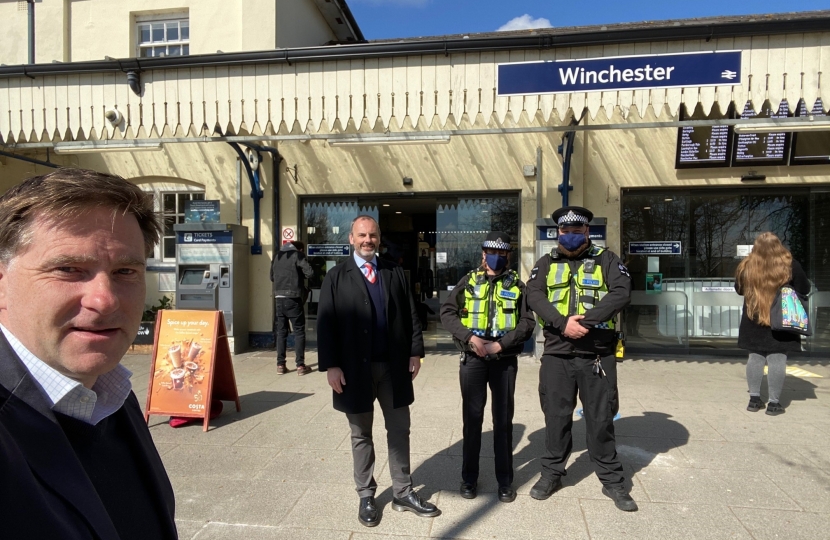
x,y
476,374
560,378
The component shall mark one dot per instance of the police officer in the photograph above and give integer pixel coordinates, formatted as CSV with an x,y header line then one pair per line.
x,y
576,291
487,315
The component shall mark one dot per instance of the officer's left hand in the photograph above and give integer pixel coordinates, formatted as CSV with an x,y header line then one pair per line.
x,y
492,347
414,366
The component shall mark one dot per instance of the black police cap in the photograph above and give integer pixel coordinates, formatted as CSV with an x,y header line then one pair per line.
x,y
497,240
572,215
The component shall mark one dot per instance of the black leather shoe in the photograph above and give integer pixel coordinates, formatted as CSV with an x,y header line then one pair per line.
x,y
413,503
545,487
621,498
507,494
367,512
468,490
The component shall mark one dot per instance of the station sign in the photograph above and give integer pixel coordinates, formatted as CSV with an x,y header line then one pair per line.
x,y
328,250
710,68
655,248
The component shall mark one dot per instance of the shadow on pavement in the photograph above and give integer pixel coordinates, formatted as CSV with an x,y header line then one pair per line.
x,y
659,433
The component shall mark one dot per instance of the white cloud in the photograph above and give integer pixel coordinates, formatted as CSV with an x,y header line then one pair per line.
x,y
525,22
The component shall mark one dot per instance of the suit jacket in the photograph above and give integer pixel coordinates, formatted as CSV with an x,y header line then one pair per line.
x,y
44,490
345,333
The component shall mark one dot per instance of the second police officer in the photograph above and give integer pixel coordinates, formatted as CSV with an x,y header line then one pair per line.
x,y
488,317
576,291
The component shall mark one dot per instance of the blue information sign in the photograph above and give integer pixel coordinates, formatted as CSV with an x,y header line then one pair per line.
x,y
654,248
328,250
713,68
204,237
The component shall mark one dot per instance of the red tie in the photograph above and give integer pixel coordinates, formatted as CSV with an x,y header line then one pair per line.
x,y
369,272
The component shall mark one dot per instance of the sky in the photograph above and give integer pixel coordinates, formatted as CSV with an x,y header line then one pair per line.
x,y
384,19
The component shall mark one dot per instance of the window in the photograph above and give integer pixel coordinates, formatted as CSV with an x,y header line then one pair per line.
x,y
172,212
168,37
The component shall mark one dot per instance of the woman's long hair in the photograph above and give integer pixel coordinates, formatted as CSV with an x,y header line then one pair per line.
x,y
761,275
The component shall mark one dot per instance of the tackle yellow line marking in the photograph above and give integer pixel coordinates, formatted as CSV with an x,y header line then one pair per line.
x,y
798,372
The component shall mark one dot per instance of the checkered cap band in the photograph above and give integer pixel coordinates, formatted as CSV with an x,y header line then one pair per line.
x,y
496,244
572,217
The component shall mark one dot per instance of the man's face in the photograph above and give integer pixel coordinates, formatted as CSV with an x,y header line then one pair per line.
x,y
74,297
365,237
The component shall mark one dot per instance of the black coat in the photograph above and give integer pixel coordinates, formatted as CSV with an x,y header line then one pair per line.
x,y
44,490
762,339
288,269
345,333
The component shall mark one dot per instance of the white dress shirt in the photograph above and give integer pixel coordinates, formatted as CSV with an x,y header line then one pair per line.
x,y
70,397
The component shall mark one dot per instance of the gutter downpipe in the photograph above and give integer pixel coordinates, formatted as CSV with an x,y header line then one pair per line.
x,y
566,149
30,160
31,9
539,187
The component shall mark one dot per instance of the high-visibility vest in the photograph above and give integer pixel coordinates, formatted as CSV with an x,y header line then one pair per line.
x,y
575,294
475,315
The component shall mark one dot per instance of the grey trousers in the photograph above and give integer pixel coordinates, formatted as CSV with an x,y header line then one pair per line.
x,y
775,378
397,438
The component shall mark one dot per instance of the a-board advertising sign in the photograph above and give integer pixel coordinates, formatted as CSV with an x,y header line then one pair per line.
x,y
191,365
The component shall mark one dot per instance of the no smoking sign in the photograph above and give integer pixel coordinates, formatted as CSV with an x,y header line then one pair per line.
x,y
288,233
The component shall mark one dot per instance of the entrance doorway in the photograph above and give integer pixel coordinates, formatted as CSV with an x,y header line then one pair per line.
x,y
435,238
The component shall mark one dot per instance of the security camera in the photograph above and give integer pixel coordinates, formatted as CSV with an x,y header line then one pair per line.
x,y
113,116
253,159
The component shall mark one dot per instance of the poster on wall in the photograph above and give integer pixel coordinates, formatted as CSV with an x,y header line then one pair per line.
x,y
654,283
201,211
191,365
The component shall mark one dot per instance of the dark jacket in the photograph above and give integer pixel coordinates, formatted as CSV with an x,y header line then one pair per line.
x,y
597,340
45,491
762,339
288,269
512,342
345,333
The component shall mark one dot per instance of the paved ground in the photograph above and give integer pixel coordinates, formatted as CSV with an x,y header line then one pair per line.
x,y
701,466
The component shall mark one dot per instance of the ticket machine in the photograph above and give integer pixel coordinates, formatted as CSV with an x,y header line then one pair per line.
x,y
546,242
212,274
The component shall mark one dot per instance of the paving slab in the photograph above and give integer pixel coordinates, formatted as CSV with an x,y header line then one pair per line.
x,y
662,522
698,464
234,531
777,524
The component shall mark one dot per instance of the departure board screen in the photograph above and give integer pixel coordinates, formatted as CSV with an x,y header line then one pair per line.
x,y
811,147
703,146
762,148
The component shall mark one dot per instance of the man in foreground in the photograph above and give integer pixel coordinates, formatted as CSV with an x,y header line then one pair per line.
x,y
76,457
370,345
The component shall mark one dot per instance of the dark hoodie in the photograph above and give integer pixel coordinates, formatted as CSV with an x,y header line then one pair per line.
x,y
287,271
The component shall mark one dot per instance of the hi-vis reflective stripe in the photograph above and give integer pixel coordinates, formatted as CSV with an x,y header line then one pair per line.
x,y
798,372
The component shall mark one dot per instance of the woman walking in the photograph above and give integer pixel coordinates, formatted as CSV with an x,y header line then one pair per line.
x,y
758,279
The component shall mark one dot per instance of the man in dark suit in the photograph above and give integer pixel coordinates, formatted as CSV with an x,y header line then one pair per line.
x,y
76,457
370,345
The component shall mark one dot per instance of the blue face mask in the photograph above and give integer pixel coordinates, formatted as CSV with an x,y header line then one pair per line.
x,y
495,262
571,241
